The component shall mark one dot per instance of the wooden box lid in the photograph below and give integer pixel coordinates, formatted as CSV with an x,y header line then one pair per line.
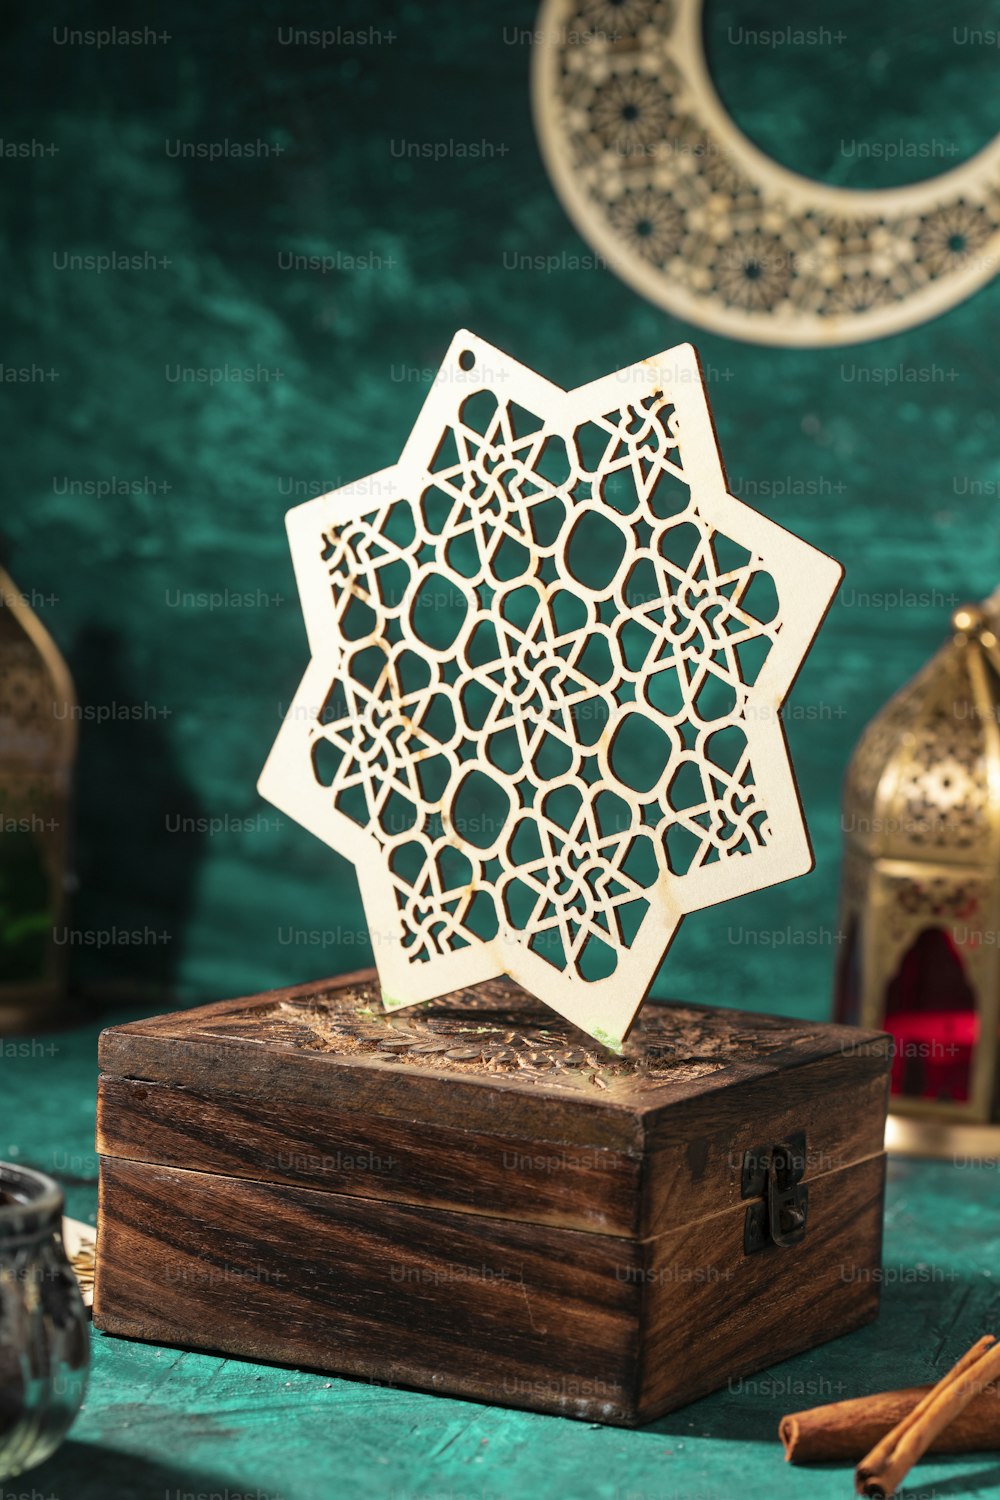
x,y
486,1102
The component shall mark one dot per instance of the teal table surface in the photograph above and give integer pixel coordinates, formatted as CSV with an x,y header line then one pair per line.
x,y
159,1424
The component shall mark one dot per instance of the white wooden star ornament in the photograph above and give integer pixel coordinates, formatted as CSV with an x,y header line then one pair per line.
x,y
541,716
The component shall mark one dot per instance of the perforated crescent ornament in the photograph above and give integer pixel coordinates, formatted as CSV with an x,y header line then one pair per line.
x,y
662,183
548,654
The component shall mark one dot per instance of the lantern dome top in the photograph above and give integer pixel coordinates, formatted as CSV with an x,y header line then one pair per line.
x,y
924,781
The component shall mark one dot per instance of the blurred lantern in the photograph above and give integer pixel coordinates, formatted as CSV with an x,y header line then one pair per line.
x,y
920,905
38,730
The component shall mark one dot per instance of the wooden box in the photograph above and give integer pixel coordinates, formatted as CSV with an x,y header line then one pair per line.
x,y
473,1198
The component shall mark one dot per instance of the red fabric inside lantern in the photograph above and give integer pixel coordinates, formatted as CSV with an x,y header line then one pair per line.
x,y
930,1012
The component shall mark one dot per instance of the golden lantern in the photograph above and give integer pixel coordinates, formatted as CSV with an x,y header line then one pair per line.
x,y
38,733
920,903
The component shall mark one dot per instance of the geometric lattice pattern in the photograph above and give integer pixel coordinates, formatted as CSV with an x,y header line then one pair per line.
x,y
660,180
548,652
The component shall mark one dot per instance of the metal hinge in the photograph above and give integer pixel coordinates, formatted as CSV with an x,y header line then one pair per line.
x,y
774,1175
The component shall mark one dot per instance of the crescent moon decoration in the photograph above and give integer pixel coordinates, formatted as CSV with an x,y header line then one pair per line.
x,y
660,181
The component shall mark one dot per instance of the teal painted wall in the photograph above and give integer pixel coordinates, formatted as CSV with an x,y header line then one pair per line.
x,y
131,492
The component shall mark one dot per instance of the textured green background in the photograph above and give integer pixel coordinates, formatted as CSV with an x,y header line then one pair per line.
x,y
897,479
886,467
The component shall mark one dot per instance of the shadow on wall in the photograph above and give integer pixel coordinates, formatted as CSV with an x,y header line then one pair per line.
x,y
135,879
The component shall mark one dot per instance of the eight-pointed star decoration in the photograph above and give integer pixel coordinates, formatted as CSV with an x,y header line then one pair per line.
x,y
549,651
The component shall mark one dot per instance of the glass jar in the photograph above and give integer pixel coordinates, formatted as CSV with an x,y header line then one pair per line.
x,y
44,1340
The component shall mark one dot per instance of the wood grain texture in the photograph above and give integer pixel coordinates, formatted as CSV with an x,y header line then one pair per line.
x,y
714,1314
301,1178
491,1309
584,1325
695,1154
387,1064
583,1186
586,1187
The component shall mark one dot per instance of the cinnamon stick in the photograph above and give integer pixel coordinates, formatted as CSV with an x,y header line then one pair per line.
x,y
844,1431
882,1471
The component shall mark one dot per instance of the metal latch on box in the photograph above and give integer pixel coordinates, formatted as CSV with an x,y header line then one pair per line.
x,y
773,1174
